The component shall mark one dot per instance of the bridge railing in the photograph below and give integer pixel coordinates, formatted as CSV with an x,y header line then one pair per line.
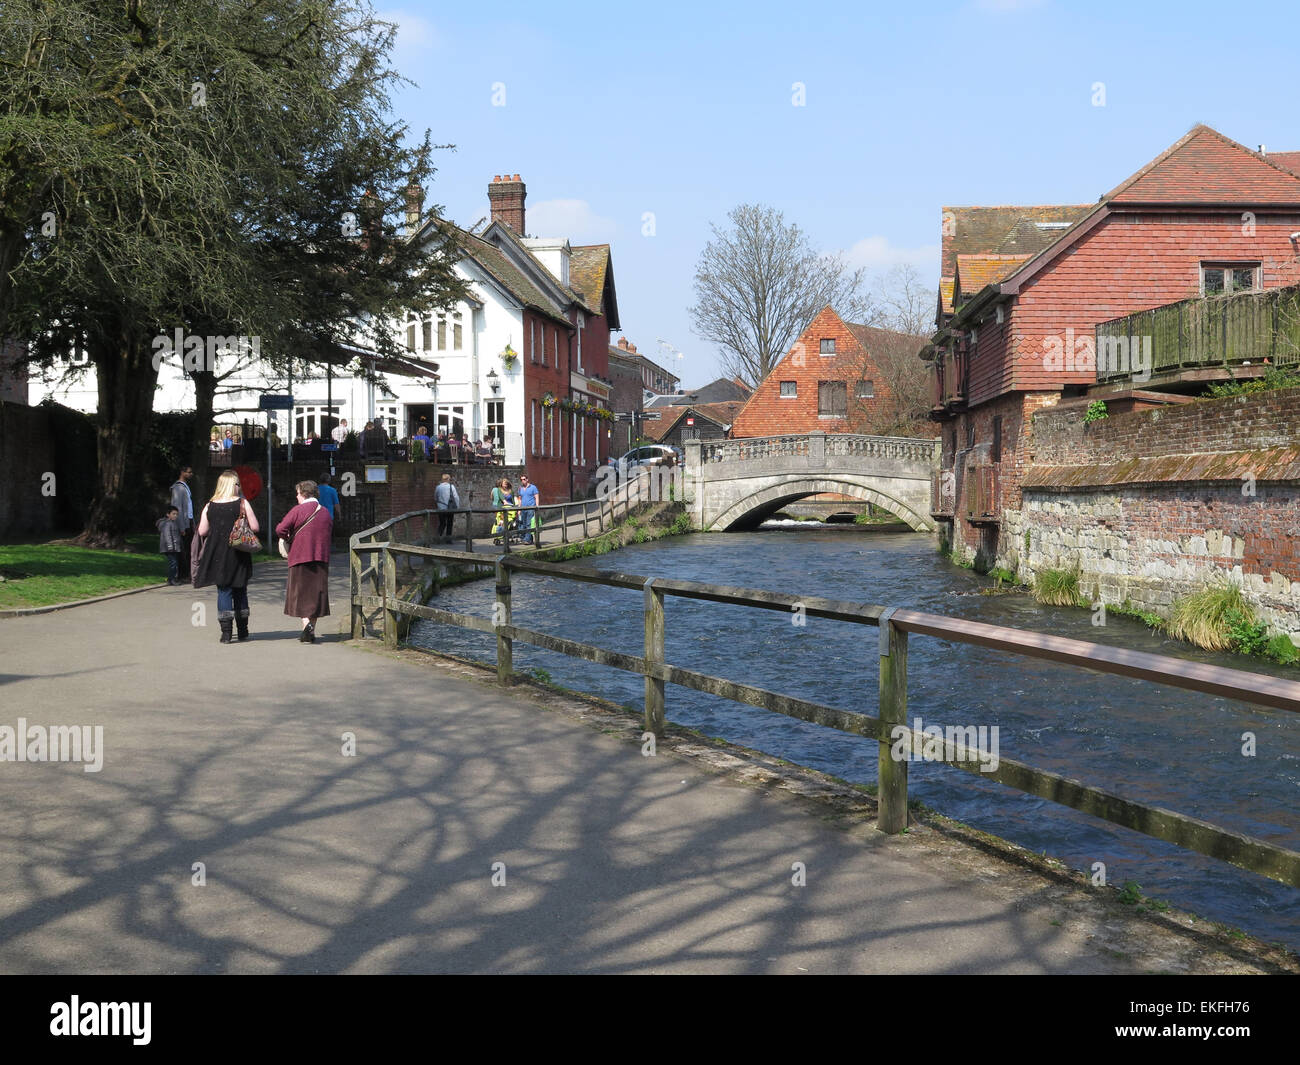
x,y
895,738
830,445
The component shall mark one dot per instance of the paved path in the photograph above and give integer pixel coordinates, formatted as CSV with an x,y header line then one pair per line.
x,y
231,756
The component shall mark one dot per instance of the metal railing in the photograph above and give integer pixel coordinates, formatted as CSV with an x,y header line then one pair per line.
x,y
890,727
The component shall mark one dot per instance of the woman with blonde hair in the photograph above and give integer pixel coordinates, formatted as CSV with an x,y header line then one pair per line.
x,y
221,564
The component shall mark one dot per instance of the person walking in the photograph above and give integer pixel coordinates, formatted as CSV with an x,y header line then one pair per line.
x,y
504,503
309,528
446,499
170,544
183,500
327,494
528,498
221,564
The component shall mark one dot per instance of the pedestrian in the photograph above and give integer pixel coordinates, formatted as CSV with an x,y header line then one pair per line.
x,y
453,446
221,564
183,500
443,448
170,544
504,503
528,498
327,494
446,499
309,529
340,432
229,441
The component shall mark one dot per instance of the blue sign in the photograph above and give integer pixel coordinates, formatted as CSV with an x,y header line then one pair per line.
x,y
329,447
275,403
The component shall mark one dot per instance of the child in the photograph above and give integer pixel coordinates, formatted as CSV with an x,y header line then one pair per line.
x,y
170,543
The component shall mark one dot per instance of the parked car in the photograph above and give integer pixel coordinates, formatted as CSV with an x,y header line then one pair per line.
x,y
652,455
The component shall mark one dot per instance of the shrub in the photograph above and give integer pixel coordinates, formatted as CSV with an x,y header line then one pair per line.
x,y
1281,648
1209,617
1274,377
1248,637
1096,412
1057,587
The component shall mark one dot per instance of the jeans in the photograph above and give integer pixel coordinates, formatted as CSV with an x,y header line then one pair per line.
x,y
231,599
444,522
173,565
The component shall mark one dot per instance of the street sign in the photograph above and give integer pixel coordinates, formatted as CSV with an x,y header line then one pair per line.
x,y
275,403
650,416
329,447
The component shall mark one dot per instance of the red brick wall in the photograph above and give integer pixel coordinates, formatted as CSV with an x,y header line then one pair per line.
x,y
767,414
1132,262
549,472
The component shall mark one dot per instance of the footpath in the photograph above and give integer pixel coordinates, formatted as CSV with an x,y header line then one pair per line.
x,y
231,828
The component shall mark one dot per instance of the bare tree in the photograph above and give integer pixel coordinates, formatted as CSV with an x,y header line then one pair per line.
x,y
758,285
905,313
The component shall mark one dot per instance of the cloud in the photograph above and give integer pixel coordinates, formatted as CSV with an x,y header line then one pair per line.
x,y
877,255
573,219
413,31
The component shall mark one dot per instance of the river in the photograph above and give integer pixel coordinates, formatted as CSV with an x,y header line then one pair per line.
x,y
1160,745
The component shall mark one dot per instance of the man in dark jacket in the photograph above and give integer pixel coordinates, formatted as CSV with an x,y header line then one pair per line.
x,y
183,501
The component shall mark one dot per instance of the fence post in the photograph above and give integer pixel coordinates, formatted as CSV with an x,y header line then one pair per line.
x,y
469,531
564,523
354,586
891,773
500,617
654,655
390,598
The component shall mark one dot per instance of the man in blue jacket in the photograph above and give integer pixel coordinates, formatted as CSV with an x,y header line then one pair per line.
x,y
326,496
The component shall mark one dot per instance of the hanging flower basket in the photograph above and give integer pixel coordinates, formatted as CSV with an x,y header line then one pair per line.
x,y
509,356
548,405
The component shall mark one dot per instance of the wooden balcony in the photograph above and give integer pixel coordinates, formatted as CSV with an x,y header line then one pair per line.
x,y
981,503
1201,339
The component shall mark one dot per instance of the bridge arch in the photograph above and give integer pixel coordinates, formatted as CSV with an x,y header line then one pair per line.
x,y
750,510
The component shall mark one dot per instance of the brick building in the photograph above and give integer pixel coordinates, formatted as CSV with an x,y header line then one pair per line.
x,y
830,380
692,421
1024,289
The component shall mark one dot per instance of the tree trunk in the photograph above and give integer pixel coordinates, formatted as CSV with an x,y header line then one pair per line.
x,y
205,392
127,380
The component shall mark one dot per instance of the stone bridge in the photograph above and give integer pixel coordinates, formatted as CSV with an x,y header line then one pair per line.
x,y
736,484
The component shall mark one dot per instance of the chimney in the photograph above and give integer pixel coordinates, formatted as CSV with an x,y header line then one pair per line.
x,y
1262,151
632,348
506,196
622,343
414,206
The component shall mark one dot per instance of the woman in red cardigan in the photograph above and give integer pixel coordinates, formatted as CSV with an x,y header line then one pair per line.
x,y
309,528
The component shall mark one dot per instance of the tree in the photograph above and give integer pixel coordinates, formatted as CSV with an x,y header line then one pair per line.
x,y
223,169
903,320
758,284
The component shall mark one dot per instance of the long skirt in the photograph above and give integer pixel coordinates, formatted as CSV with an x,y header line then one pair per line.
x,y
308,593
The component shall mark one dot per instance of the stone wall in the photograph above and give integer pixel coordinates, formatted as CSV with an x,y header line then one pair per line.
x,y
1153,505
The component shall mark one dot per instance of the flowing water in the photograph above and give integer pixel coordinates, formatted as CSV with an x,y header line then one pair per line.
x,y
1156,744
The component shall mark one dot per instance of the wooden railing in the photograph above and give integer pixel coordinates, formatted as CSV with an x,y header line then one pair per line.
x,y
890,727
1212,331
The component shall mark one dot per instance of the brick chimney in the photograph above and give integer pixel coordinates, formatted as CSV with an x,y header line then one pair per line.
x,y
506,195
632,348
414,206
622,343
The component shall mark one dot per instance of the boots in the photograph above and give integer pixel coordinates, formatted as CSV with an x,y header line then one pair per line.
x,y
308,633
227,620
241,624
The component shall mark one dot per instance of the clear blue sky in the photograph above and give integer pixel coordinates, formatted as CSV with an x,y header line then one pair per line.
x,y
685,110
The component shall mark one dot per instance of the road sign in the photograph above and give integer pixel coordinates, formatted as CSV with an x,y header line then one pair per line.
x,y
275,403
650,416
329,447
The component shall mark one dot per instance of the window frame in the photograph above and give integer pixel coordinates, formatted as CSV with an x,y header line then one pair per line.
x,y
794,390
1228,266
822,349
830,385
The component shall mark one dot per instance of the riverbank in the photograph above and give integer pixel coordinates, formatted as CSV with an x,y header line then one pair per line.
x,y
1132,933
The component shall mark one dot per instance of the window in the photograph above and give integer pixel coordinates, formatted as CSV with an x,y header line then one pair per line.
x,y
442,334
557,347
970,434
544,343
865,390
828,346
410,333
532,425
532,341
428,334
455,331
789,390
995,452
496,420
1223,279
582,321
832,399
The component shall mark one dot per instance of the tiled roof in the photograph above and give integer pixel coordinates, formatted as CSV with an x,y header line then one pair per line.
x,y
721,413
1206,167
1290,160
588,264
1029,236
504,231
945,294
497,264
981,230
976,271
872,338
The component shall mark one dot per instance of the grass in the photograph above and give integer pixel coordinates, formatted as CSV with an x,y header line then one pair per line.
x,y
1211,618
46,574
1057,587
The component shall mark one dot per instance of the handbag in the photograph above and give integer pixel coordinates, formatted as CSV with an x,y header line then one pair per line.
x,y
283,542
242,538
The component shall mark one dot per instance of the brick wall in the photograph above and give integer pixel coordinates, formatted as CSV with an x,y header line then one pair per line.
x,y
767,414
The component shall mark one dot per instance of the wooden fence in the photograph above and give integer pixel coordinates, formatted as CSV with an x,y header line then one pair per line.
x,y
894,627
1213,331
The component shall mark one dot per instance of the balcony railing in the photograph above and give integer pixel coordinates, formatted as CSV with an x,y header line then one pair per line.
x,y
1197,333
